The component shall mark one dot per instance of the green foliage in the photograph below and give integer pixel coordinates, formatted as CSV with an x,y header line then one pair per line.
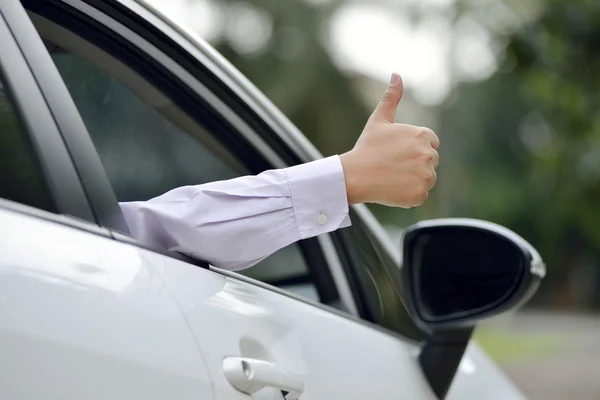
x,y
550,133
298,74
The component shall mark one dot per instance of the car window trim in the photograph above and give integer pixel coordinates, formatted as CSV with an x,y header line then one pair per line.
x,y
66,220
92,177
57,168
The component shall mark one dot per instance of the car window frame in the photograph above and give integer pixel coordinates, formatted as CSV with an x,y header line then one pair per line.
x,y
87,163
37,120
156,65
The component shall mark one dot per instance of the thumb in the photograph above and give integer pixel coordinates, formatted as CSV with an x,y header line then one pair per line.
x,y
386,109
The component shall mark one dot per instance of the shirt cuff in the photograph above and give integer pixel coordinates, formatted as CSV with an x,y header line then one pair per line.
x,y
318,192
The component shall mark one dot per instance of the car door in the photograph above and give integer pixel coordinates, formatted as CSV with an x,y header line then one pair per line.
x,y
333,355
82,316
143,100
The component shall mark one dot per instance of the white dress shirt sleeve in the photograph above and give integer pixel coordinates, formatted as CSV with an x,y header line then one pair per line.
x,y
236,223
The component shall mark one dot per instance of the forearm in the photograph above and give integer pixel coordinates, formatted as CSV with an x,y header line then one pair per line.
x,y
236,223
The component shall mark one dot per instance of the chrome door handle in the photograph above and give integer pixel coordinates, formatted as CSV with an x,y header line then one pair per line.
x,y
249,375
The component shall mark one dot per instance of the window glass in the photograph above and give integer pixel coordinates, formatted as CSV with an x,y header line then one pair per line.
x,y
143,152
378,277
146,154
20,174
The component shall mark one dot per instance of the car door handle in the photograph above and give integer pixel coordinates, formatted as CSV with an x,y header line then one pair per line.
x,y
249,375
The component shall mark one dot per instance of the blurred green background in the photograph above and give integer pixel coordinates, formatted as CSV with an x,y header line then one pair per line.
x,y
512,89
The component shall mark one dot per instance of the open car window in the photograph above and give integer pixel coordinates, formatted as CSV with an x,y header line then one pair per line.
x,y
149,145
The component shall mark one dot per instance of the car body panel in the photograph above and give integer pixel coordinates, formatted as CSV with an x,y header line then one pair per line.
x,y
86,317
336,357
478,377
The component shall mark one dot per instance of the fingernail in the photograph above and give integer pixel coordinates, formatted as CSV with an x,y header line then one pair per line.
x,y
394,78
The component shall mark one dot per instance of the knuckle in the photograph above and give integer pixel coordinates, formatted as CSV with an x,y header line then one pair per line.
x,y
435,140
431,183
426,135
421,194
421,133
428,176
428,156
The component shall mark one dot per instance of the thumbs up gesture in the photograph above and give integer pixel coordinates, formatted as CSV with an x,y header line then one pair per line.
x,y
391,164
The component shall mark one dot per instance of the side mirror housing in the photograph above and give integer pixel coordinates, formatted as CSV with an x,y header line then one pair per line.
x,y
455,273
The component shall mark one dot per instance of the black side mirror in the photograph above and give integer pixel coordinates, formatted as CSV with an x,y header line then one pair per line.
x,y
457,272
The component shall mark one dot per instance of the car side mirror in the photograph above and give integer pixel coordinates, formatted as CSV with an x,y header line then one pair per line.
x,y
457,272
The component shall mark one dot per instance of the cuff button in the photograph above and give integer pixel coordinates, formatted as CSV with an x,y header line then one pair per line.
x,y
322,218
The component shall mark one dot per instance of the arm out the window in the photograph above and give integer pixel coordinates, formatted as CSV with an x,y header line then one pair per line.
x,y
236,223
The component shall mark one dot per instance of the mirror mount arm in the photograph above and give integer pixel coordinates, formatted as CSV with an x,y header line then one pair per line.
x,y
441,355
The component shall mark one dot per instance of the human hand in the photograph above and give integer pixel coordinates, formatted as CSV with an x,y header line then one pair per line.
x,y
391,164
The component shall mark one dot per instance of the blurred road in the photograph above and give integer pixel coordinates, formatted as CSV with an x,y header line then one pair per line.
x,y
571,371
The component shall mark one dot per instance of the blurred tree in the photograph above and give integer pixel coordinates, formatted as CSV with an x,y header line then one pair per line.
x,y
533,159
294,69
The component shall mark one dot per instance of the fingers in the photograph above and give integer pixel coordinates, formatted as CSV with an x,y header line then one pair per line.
x,y
435,158
433,164
386,109
431,142
433,138
433,180
429,180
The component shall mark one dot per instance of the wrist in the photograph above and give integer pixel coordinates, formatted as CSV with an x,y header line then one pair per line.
x,y
355,187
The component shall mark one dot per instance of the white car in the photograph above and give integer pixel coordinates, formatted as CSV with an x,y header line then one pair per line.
x,y
108,100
